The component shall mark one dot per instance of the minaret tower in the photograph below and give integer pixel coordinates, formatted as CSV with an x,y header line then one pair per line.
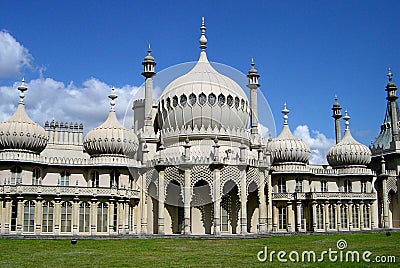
x,y
253,85
391,97
337,115
148,72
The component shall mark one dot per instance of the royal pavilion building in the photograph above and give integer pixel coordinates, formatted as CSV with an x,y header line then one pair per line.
x,y
194,163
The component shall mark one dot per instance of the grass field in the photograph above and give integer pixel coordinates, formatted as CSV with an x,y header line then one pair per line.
x,y
192,252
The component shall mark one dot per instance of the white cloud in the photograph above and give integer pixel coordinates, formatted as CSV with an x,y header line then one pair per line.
x,y
13,56
48,99
319,143
264,131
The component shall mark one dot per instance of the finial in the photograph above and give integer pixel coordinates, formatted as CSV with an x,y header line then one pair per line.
x,y
22,88
285,112
112,96
336,98
346,118
203,39
390,75
252,62
149,50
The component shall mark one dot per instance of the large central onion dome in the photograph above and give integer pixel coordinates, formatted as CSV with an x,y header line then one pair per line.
x,y
348,151
203,97
19,132
286,147
111,138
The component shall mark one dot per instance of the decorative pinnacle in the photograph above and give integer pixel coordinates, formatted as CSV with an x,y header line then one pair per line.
x,y
22,88
203,39
285,112
346,118
112,96
149,50
390,75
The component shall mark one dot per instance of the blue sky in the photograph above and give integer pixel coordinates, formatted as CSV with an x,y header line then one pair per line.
x,y
305,51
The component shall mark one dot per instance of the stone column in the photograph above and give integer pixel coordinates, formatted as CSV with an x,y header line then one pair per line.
x,y
326,215
20,214
270,216
275,218
361,213
263,208
7,215
143,206
75,216
338,217
126,218
243,202
111,226
373,212
121,216
289,215
1,216
314,212
187,196
161,198
298,214
93,216
38,215
386,223
350,213
57,215
217,201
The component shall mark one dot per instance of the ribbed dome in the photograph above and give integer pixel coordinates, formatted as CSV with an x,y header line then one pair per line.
x,y
286,147
348,152
203,97
111,137
19,132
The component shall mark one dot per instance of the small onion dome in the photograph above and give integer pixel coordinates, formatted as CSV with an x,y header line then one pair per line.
x,y
348,151
19,132
111,138
286,147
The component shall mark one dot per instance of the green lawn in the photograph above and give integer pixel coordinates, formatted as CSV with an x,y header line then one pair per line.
x,y
175,252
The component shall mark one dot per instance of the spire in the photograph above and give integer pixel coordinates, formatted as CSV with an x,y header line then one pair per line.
x,y
148,64
346,118
112,97
337,114
22,88
203,39
392,99
253,76
285,112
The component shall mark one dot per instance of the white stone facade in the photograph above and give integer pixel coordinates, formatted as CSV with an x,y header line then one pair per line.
x,y
191,165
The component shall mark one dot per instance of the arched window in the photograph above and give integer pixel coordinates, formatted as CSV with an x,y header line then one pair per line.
x,y
36,177
84,217
347,186
281,185
324,186
114,178
102,217
282,218
356,218
47,223
343,217
95,179
299,185
16,177
320,217
66,217
29,216
332,217
64,179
